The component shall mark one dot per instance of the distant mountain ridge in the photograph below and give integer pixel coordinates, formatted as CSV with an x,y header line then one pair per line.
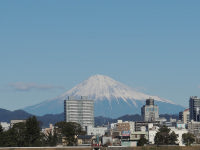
x,y
6,116
111,97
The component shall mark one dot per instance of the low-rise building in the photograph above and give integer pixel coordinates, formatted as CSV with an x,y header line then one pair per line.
x,y
139,134
49,130
5,126
180,125
194,128
152,133
161,120
141,124
100,131
123,127
12,122
179,132
85,139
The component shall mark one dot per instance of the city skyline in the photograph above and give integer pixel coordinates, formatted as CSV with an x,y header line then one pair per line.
x,y
48,48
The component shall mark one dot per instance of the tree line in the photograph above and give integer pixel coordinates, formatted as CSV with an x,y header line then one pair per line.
x,y
28,134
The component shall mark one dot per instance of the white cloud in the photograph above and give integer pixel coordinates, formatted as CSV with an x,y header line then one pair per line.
x,y
21,86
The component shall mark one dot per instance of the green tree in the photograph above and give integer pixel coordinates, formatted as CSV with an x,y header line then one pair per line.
x,y
32,135
188,138
10,137
18,131
69,131
173,137
1,135
165,137
142,141
22,134
1,129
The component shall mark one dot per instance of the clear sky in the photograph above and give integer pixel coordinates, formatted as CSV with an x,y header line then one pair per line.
x,y
47,47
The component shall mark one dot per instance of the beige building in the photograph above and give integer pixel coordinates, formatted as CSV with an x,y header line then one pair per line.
x,y
85,139
186,116
122,127
49,130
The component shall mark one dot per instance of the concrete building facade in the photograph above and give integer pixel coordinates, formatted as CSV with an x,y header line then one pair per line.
x,y
100,131
12,122
179,132
5,125
194,128
80,111
186,116
194,109
150,111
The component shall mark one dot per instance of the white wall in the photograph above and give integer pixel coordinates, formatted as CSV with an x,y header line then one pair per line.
x,y
5,125
96,131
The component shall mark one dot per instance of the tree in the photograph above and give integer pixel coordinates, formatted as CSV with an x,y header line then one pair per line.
x,y
9,138
1,129
33,132
15,136
69,130
142,141
1,135
165,137
22,134
18,131
188,138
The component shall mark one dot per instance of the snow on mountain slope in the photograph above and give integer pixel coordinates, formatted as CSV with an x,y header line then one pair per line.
x,y
110,96
100,87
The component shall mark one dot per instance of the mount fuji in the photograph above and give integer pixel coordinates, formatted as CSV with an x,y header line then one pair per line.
x,y
111,99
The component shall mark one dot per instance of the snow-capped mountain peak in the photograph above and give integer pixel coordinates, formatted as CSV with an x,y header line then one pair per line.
x,y
111,98
101,87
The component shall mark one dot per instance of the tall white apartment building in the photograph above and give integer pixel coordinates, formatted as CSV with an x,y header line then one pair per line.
x,y
80,111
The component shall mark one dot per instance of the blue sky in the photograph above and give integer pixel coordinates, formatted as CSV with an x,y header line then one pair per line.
x,y
47,47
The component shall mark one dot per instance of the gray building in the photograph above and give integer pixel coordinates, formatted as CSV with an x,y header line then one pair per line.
x,y
194,104
150,111
194,128
80,111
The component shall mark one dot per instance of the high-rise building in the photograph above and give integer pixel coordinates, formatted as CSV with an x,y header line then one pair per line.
x,y
194,104
185,116
149,111
80,111
180,115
